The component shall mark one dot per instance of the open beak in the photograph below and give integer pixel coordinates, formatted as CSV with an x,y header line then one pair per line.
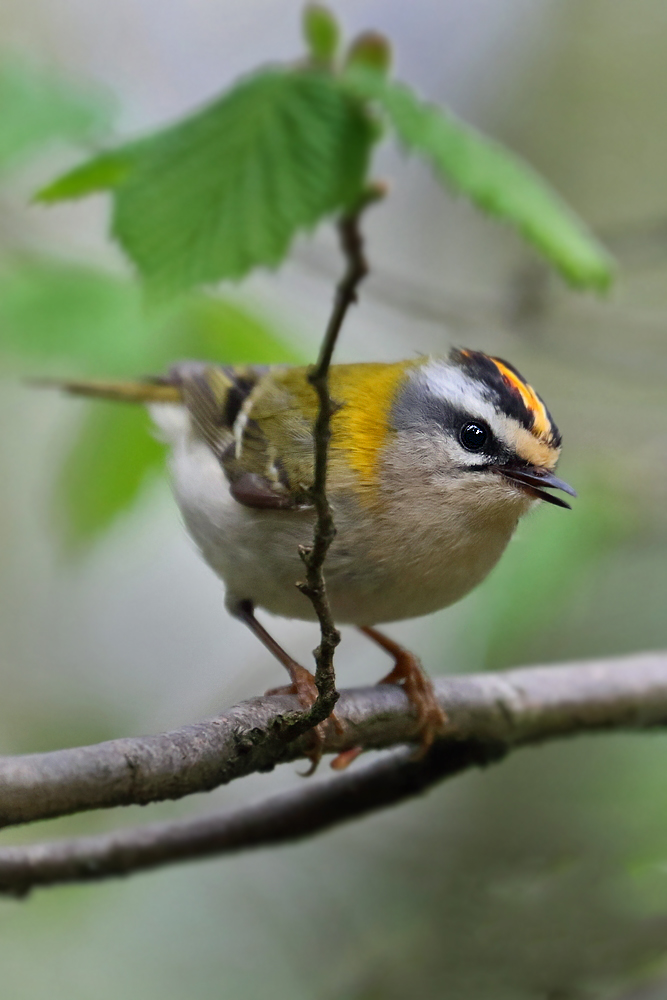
x,y
533,481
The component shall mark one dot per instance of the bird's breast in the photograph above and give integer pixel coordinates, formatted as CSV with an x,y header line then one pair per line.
x,y
420,546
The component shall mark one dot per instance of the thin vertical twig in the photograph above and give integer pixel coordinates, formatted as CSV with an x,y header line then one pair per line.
x,y
314,555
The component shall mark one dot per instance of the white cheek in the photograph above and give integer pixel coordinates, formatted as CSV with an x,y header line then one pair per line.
x,y
458,457
461,455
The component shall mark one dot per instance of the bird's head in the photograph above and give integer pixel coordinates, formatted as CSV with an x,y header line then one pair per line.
x,y
486,423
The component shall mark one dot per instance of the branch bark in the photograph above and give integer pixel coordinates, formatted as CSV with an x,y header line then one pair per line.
x,y
278,819
488,715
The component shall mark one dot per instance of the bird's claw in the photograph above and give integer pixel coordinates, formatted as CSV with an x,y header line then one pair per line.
x,y
304,687
407,673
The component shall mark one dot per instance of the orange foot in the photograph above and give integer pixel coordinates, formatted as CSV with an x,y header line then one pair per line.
x,y
407,672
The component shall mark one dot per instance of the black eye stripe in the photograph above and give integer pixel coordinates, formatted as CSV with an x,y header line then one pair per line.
x,y
416,408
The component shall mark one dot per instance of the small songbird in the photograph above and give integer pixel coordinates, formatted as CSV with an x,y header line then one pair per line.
x,y
432,462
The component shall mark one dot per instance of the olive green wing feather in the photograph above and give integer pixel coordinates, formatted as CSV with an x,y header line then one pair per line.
x,y
258,422
272,439
220,402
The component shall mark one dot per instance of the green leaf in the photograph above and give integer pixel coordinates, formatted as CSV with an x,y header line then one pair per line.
x,y
110,461
37,107
103,173
321,32
491,177
226,190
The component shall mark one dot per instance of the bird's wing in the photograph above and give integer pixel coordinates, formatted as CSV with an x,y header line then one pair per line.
x,y
271,448
257,422
213,395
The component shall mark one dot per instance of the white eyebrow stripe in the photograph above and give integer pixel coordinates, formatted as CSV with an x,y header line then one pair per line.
x,y
459,390
453,386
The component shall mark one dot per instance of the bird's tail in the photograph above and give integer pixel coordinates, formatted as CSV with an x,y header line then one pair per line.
x,y
148,391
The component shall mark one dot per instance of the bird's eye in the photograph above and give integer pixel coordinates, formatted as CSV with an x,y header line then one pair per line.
x,y
473,437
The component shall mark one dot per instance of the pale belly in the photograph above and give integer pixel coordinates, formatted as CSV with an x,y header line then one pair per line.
x,y
374,572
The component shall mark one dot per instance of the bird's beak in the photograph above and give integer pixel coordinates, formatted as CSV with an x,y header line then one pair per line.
x,y
533,480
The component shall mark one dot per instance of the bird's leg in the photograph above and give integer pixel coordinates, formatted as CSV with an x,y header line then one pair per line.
x,y
303,683
408,673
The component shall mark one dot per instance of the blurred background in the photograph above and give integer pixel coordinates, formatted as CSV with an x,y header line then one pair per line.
x,y
545,877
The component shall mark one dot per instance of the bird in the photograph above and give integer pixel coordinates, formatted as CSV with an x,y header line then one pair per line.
x,y
432,462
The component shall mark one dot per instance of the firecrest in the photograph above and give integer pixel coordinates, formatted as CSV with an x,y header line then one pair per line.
x,y
432,463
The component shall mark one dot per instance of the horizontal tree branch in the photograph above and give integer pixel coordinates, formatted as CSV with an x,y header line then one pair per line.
x,y
311,808
489,714
509,708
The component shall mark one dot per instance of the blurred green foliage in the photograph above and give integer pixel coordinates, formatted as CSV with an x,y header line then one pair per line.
x,y
57,318
113,455
545,566
38,107
226,189
63,315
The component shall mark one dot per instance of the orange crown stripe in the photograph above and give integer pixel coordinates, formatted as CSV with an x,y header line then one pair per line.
x,y
541,422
